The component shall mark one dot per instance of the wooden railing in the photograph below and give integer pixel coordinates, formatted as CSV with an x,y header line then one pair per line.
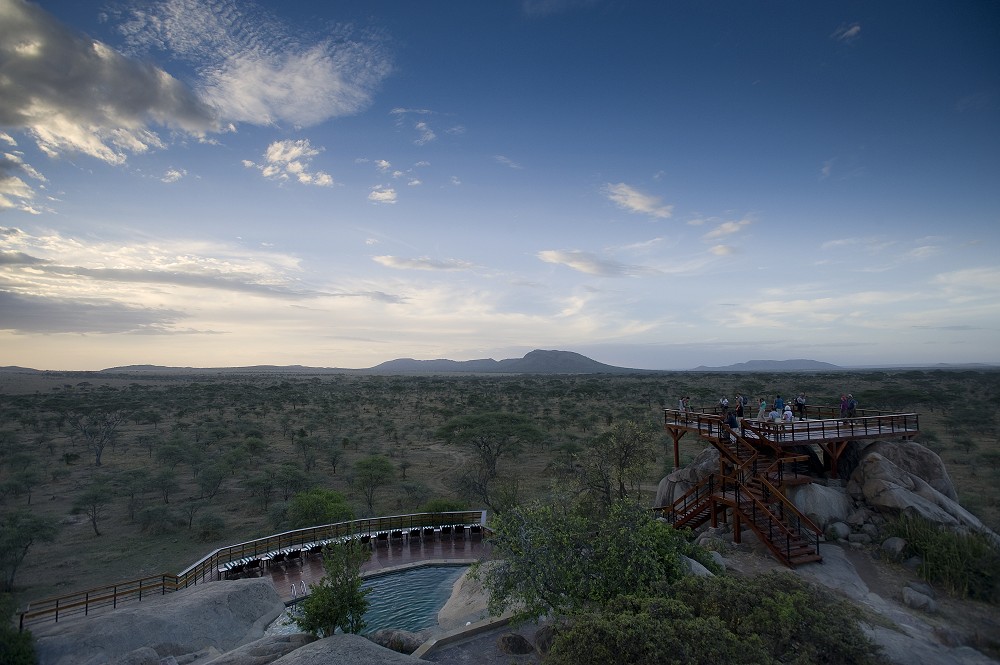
x,y
209,567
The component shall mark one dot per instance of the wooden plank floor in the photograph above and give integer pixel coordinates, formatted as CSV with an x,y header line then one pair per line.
x,y
292,581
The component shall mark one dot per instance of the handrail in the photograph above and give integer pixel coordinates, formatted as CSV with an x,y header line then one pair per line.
x,y
688,501
773,521
209,566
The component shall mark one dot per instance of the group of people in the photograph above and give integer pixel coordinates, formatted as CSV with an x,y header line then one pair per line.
x,y
776,411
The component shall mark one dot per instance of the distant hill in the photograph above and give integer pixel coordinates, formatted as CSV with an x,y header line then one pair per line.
x,y
797,365
535,362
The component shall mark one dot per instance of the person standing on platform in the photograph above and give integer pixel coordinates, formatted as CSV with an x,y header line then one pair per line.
x,y
843,405
800,405
779,404
762,410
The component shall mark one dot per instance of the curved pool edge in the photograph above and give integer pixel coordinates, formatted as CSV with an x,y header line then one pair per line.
x,y
461,633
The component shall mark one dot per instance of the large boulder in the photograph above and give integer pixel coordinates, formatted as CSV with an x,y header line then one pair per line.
x,y
822,504
679,481
894,491
215,615
263,651
346,650
917,460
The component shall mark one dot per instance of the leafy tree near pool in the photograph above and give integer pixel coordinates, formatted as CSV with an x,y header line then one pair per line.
x,y
318,506
19,531
551,557
337,600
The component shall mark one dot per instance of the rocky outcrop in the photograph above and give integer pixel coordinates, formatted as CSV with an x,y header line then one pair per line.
x,y
892,490
263,651
679,481
401,641
345,650
205,619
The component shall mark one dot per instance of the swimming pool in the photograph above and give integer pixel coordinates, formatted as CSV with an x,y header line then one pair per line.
x,y
406,599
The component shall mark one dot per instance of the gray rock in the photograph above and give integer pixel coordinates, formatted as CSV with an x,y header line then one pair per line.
x,y
402,641
346,650
918,460
860,538
544,637
837,531
820,503
223,615
894,547
858,517
918,601
263,651
695,568
718,558
141,656
679,481
922,587
514,643
870,530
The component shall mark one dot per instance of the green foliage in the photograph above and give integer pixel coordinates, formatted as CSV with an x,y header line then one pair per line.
x,y
553,558
442,505
337,600
370,474
16,648
19,531
772,618
966,564
615,463
795,621
318,506
209,527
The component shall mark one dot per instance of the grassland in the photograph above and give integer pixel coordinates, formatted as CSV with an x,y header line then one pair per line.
x,y
267,436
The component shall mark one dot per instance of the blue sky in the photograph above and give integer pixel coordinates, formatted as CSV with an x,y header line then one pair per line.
x,y
655,185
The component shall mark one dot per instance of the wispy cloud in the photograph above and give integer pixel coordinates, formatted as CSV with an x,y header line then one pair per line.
x,y
173,175
725,229
847,33
291,160
506,161
630,199
591,264
254,68
423,263
102,106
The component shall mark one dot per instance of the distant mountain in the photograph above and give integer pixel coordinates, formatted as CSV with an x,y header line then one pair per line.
x,y
535,362
797,365
20,370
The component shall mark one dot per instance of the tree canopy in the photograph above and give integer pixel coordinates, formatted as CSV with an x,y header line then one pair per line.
x,y
337,600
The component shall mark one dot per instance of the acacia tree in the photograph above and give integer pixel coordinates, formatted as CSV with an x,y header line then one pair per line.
x,y
94,503
616,462
19,531
98,421
491,436
370,474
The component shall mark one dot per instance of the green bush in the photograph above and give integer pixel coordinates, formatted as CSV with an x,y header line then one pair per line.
x,y
966,564
773,618
441,505
16,648
210,527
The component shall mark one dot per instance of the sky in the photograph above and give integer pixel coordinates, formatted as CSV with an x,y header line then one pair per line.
x,y
653,184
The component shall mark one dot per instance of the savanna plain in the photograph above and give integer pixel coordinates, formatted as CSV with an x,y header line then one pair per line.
x,y
144,473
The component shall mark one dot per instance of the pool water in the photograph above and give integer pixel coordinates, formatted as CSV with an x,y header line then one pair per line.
x,y
405,600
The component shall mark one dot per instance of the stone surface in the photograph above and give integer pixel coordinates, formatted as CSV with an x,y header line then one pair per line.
x,y
222,615
918,601
917,460
263,651
823,505
141,656
514,643
894,548
345,650
402,641
679,481
467,603
837,531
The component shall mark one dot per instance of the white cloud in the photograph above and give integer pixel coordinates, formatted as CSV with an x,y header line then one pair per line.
x,y
426,134
726,229
382,194
721,250
291,160
101,106
173,175
423,263
632,200
591,264
847,33
255,69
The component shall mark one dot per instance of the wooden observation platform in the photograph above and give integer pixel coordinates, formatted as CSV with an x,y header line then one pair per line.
x,y
759,460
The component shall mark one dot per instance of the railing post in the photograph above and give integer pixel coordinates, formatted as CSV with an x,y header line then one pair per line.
x,y
86,603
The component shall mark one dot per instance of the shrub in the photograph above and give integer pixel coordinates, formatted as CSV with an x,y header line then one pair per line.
x,y
210,527
16,648
441,505
966,564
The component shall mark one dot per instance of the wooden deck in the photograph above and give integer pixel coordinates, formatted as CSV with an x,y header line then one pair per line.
x,y
760,460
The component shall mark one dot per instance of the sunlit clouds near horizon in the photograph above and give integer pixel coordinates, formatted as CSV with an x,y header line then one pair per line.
x,y
222,183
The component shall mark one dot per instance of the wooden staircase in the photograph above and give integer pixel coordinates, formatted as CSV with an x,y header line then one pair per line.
x,y
749,488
